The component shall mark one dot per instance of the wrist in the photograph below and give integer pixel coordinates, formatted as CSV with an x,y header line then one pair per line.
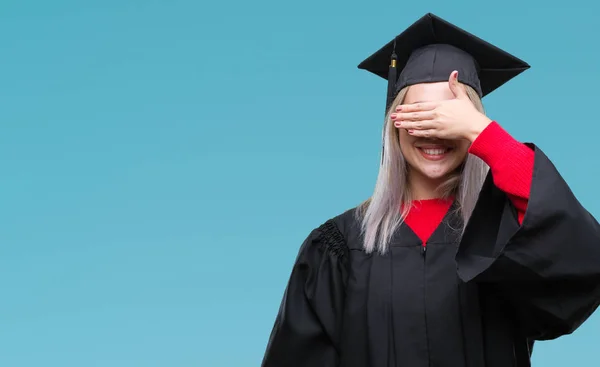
x,y
477,127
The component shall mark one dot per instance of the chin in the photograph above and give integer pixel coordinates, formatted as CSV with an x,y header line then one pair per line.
x,y
434,173
435,163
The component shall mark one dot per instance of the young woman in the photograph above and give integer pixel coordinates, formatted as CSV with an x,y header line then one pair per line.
x,y
472,245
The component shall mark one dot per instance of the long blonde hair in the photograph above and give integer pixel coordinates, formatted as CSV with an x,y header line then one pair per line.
x,y
380,215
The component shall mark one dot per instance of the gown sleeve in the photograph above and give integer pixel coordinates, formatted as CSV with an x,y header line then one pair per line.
x,y
548,266
307,326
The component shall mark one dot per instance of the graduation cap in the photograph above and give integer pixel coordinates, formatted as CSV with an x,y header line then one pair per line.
x,y
431,48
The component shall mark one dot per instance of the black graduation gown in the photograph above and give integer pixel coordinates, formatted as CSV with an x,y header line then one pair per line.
x,y
479,301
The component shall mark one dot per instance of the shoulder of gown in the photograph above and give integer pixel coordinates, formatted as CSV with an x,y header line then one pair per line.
x,y
307,327
335,236
347,224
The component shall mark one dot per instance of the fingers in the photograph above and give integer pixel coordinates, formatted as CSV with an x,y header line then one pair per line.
x,y
424,120
423,133
457,89
413,116
453,77
416,125
417,107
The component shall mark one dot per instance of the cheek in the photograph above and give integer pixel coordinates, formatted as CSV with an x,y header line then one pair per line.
x,y
460,154
463,149
405,139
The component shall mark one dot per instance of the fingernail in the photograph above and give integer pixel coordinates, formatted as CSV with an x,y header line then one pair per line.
x,y
397,123
399,108
410,131
393,115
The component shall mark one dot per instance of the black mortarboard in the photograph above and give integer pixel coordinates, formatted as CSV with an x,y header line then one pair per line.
x,y
431,48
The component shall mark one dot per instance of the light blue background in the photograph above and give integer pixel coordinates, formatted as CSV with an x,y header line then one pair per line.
x,y
161,161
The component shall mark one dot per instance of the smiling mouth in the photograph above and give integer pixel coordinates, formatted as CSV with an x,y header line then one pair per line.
x,y
434,154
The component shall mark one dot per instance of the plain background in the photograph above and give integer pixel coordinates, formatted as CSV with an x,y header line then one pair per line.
x,y
162,161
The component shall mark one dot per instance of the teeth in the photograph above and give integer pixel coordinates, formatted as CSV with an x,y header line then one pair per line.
x,y
435,151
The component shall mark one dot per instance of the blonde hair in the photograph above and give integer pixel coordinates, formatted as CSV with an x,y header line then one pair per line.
x,y
380,215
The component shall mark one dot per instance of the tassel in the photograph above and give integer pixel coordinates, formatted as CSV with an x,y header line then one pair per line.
x,y
391,91
392,78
